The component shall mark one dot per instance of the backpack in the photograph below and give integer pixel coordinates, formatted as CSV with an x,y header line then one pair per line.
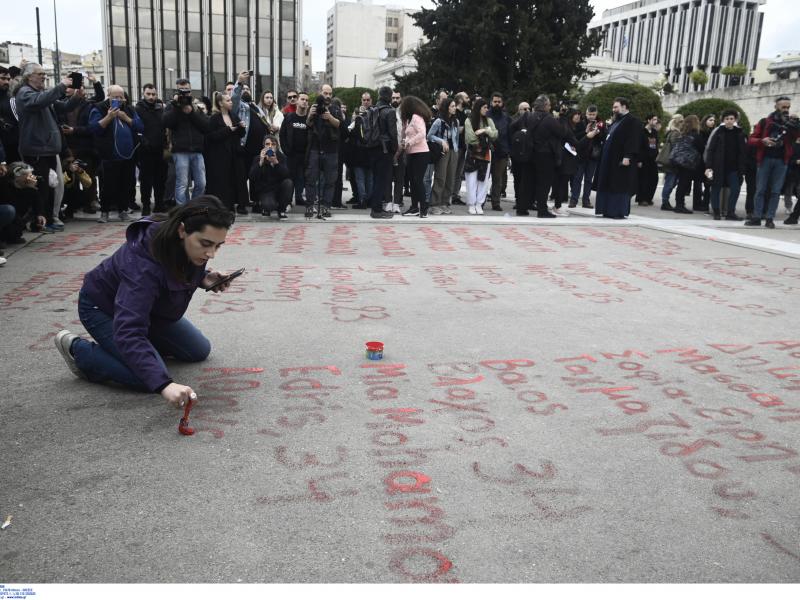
x,y
684,154
371,127
522,143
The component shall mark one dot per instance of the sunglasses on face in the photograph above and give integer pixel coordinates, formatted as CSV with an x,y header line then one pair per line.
x,y
292,97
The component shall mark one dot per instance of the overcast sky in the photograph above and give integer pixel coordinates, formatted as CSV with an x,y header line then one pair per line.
x,y
79,24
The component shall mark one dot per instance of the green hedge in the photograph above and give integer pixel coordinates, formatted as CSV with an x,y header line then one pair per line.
x,y
714,106
644,101
351,96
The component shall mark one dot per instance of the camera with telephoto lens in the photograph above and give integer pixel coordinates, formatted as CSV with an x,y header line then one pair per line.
x,y
783,127
184,98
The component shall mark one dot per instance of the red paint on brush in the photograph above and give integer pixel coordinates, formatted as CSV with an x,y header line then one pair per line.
x,y
183,426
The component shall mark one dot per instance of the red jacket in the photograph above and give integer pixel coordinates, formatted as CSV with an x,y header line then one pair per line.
x,y
761,130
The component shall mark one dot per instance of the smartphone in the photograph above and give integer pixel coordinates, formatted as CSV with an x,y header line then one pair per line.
x,y
77,80
227,278
115,103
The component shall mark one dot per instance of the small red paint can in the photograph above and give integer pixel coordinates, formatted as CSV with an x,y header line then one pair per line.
x,y
375,350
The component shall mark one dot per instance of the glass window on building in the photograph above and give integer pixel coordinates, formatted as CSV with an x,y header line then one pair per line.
x,y
194,41
287,48
218,6
193,5
146,59
218,80
218,63
240,26
287,29
240,63
264,65
217,24
218,42
118,16
119,36
240,45
169,5
287,67
119,56
147,76
170,39
145,17
193,21
263,27
240,8
169,19
145,38
195,60
287,10
170,59
145,4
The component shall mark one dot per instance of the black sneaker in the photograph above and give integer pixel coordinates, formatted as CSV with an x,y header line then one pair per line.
x,y
753,222
667,206
458,201
282,216
241,210
380,214
325,212
411,212
790,221
338,207
423,214
770,224
266,213
683,210
547,215
732,218
309,211
717,216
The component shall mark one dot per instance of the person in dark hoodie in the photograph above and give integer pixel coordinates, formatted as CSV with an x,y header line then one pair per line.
x,y
117,128
152,166
133,303
502,148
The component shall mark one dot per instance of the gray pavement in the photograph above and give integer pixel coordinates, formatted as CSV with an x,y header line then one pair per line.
x,y
570,401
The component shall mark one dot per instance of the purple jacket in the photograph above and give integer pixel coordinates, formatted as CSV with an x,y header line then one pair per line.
x,y
140,295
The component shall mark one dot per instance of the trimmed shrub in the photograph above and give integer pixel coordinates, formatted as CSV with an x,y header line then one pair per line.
x,y
714,106
643,100
351,96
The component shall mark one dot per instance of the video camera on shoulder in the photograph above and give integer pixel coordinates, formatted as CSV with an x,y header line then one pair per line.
x,y
184,98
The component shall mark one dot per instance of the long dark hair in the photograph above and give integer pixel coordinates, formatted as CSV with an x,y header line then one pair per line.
x,y
410,106
475,117
444,110
166,246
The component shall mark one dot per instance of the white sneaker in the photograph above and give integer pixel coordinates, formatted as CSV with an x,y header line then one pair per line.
x,y
103,217
2,261
396,209
478,209
435,210
387,207
446,210
124,216
472,209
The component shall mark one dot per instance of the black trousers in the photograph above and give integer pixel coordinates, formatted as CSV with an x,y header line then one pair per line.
x,y
544,170
117,184
648,182
382,172
416,165
45,194
277,199
152,177
685,179
297,168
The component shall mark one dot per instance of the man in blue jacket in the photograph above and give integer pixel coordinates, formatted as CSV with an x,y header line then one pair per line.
x,y
117,128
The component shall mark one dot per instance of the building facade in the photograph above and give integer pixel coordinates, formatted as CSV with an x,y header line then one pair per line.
x,y
363,38
681,36
205,41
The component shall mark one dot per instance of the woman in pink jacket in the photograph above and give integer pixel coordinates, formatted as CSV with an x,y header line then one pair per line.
x,y
414,114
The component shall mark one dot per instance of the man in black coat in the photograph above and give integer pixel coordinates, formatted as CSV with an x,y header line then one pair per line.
x,y
502,148
152,166
725,158
616,179
648,169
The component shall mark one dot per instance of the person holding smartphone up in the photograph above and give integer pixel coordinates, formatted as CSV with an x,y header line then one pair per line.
x,y
116,127
133,303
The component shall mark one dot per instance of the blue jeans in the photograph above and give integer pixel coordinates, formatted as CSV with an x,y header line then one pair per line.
x,y
184,162
670,181
771,173
731,181
7,214
427,181
102,361
364,180
583,176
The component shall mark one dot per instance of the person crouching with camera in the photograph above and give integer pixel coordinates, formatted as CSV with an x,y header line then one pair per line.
x,y
116,127
772,137
271,180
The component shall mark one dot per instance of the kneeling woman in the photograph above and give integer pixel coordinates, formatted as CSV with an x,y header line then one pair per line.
x,y
132,304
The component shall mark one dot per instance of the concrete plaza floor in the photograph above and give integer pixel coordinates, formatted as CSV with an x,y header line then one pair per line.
x,y
574,400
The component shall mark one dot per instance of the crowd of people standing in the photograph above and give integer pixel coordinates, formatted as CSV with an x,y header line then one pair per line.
x,y
58,144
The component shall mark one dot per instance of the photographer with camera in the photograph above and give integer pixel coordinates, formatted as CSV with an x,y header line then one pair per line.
x,y
18,194
323,158
40,139
270,179
188,127
773,137
116,127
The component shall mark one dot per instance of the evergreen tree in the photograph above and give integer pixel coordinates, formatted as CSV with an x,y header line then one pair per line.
x,y
519,47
